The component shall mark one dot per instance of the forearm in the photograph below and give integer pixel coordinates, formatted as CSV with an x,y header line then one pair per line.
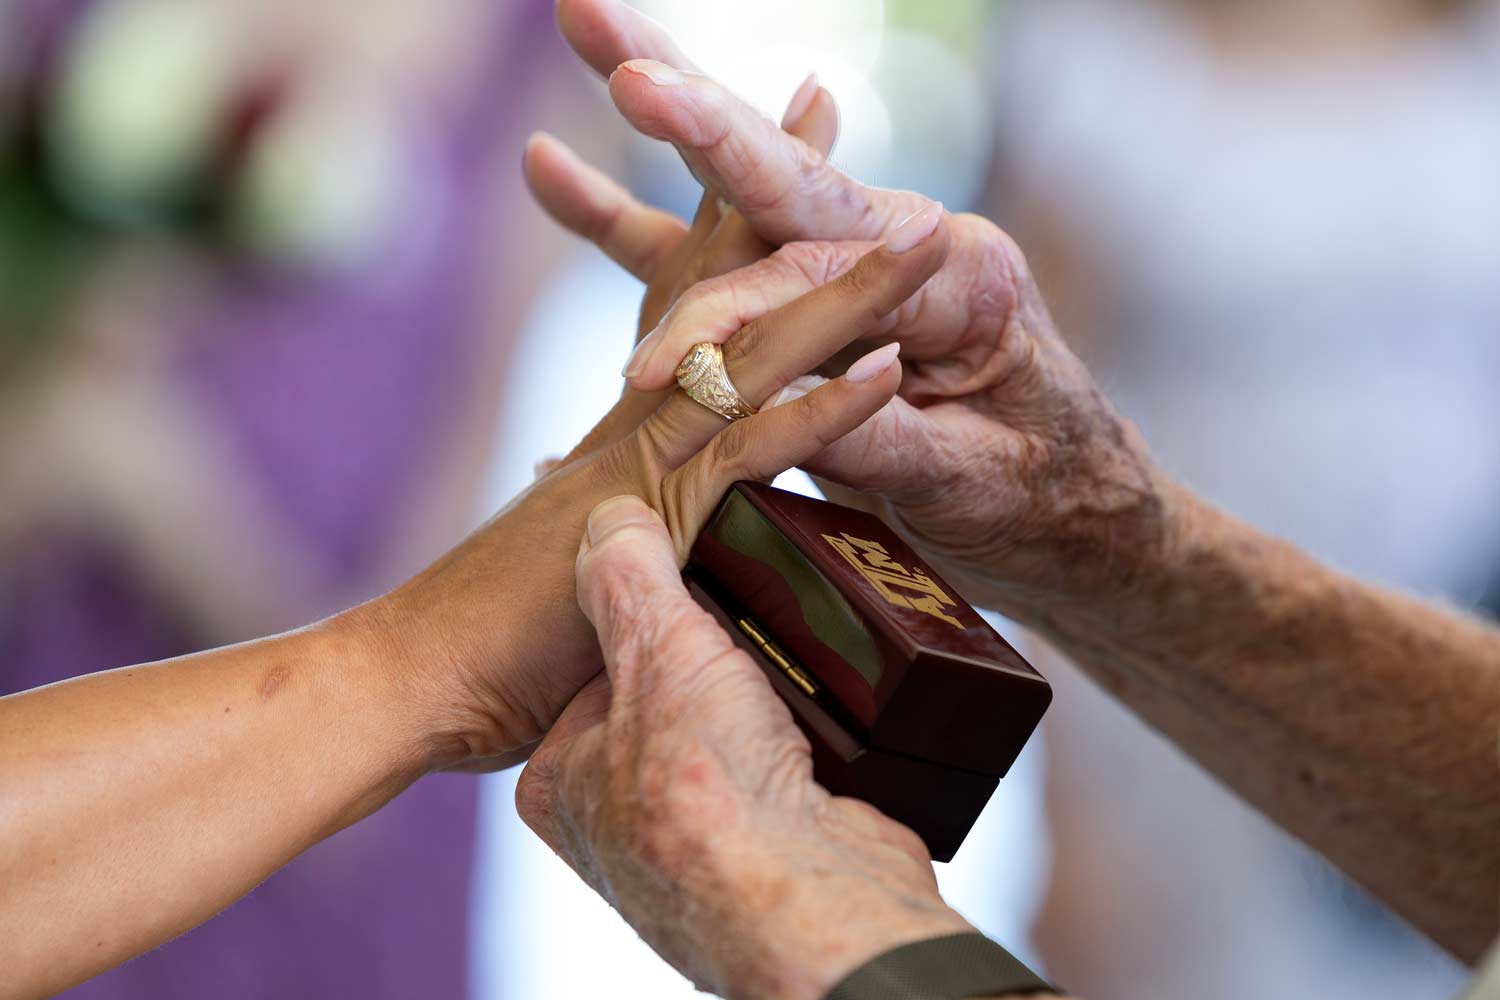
x,y
1362,721
137,803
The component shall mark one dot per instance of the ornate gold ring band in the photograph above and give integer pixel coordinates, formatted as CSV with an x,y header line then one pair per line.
x,y
704,378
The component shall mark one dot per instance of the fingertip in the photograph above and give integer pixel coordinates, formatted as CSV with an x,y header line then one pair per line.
x,y
542,153
529,152
819,128
914,230
801,102
876,365
626,547
591,30
618,513
659,74
657,102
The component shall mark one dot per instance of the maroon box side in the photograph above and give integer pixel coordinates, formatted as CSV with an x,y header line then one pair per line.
x,y
940,804
962,697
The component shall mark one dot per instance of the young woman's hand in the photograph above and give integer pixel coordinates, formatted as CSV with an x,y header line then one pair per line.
x,y
490,637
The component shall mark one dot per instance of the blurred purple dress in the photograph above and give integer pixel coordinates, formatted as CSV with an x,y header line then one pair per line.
x,y
334,396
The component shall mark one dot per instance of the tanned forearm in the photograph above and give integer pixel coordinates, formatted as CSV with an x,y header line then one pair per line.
x,y
1364,722
137,803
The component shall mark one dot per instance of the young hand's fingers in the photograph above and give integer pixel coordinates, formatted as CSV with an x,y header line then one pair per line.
x,y
605,33
785,188
586,201
715,309
779,438
787,342
774,334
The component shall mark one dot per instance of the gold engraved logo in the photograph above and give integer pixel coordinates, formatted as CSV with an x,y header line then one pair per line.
x,y
900,586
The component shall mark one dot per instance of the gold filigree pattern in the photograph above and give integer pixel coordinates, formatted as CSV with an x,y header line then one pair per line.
x,y
704,378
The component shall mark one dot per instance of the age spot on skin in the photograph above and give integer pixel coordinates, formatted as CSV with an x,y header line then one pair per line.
x,y
274,680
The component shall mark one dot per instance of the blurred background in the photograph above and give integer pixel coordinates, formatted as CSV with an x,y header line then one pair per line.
x,y
278,324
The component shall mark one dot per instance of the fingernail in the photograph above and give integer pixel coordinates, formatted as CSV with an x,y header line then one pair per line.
x,y
796,389
801,101
873,365
616,513
658,73
636,364
915,228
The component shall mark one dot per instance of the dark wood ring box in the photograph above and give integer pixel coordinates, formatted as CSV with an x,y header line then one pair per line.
x,y
910,700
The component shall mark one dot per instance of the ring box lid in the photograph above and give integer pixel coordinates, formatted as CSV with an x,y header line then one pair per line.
x,y
905,663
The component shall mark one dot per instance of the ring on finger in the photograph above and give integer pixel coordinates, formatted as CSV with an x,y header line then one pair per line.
x,y
706,381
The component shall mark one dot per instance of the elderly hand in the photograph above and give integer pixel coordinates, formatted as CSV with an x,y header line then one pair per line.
x,y
681,790
1001,459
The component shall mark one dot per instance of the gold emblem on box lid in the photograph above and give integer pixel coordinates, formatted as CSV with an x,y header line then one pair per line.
x,y
905,588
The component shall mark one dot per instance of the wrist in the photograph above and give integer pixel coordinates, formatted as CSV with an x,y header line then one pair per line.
x,y
487,644
408,677
1195,588
805,921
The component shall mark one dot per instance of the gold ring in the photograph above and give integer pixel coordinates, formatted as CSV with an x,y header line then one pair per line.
x,y
704,378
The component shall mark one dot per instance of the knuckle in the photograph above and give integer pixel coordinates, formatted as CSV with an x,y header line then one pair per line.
x,y
699,299
814,415
730,451
866,290
815,262
999,266
661,436
743,346
536,790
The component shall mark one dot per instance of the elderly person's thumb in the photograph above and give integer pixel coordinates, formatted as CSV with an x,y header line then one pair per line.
x,y
626,565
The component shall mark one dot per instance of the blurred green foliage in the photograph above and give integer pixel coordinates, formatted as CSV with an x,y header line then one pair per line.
x,y
958,24
44,251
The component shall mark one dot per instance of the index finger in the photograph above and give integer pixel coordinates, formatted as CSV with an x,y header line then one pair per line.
x,y
606,33
786,189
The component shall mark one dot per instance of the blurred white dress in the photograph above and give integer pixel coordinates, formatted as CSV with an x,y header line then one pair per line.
x,y
1302,311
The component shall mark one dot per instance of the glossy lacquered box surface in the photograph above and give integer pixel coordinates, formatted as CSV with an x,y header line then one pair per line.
x,y
910,700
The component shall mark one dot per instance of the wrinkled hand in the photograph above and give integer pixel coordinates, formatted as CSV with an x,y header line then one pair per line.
x,y
1001,459
681,790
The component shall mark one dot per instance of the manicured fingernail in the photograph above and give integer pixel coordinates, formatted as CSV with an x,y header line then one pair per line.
x,y
796,389
614,514
873,365
801,101
915,228
658,73
642,354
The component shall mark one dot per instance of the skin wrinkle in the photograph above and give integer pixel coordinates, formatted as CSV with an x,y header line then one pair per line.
x,y
1278,717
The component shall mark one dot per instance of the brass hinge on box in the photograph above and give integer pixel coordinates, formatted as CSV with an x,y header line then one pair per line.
x,y
793,670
